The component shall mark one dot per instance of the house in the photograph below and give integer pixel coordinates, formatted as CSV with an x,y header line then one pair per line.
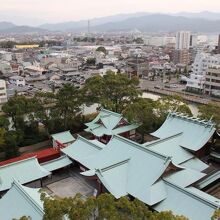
x,y
108,123
17,80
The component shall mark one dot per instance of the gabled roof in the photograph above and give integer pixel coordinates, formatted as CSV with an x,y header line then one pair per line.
x,y
20,201
195,132
170,146
24,171
63,137
190,202
57,163
136,167
81,149
107,122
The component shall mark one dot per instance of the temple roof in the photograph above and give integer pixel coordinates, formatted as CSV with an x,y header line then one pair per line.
x,y
21,201
109,123
24,171
195,132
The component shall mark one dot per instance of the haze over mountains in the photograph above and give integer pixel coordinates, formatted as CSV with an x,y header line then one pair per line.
x,y
143,21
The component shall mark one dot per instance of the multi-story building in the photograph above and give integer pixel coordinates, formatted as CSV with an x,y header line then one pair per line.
x,y
181,57
199,68
3,94
181,53
212,81
182,40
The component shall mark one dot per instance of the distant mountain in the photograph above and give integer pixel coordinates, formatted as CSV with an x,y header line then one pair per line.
x,y
8,28
161,23
6,25
204,14
83,24
143,22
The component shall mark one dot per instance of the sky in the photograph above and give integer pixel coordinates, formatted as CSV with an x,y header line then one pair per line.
x,y
36,12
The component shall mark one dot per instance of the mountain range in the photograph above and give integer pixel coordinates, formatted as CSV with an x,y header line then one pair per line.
x,y
143,21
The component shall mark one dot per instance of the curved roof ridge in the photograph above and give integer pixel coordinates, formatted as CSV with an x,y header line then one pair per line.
x,y
140,147
191,118
26,194
88,141
194,195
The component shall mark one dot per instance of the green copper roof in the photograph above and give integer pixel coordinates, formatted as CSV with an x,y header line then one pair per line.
x,y
81,148
20,201
195,132
180,156
24,171
63,137
56,164
108,123
190,202
184,177
194,164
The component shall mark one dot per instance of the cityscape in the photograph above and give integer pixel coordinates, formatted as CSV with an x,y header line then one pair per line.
x,y
109,111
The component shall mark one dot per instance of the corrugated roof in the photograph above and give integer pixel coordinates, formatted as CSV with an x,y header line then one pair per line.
x,y
63,137
56,164
20,201
24,171
196,132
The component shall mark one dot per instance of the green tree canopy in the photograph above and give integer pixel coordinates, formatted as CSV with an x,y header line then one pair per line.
x,y
210,111
104,206
112,91
101,49
141,112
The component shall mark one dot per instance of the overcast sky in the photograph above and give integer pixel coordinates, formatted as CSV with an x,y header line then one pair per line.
x,y
40,11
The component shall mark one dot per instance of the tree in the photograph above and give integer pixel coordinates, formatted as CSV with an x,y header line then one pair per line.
x,y
16,108
210,111
68,103
12,139
170,103
104,206
102,49
216,215
141,112
44,113
91,61
112,91
4,122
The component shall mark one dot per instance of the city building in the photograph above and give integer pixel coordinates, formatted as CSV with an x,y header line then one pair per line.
x,y
3,94
17,80
181,56
182,40
199,69
212,81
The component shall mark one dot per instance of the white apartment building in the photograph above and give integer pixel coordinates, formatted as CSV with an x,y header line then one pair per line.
x,y
199,68
3,94
182,40
4,55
